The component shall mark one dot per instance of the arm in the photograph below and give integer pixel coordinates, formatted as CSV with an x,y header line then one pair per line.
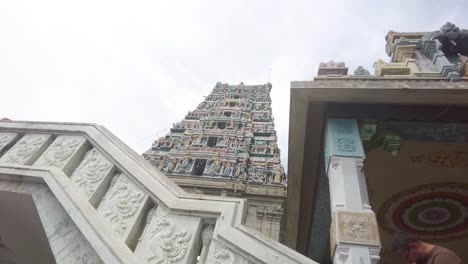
x,y
446,258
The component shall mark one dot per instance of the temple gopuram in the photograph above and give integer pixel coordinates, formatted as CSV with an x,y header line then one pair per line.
x,y
373,155
228,146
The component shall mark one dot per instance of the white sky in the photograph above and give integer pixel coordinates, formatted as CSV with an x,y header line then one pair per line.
x,y
136,67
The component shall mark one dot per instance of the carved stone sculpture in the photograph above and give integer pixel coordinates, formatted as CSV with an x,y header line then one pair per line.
x,y
168,238
5,139
61,151
122,205
92,171
449,27
462,65
360,71
331,67
27,149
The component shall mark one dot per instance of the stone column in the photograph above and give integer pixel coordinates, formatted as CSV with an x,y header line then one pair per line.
x,y
354,235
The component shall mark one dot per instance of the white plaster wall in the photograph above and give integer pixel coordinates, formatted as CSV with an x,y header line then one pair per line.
x,y
66,242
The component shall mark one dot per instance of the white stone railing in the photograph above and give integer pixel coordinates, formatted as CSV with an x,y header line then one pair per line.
x,y
126,210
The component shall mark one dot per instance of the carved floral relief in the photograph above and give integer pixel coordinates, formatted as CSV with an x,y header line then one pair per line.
x,y
224,255
167,238
61,151
357,227
6,138
23,151
91,172
346,144
121,205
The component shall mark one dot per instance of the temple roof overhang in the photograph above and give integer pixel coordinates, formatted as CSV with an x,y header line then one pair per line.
x,y
310,101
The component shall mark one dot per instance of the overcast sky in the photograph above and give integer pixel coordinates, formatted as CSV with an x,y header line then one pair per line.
x,y
136,67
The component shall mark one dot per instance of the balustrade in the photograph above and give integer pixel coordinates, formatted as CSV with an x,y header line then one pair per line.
x,y
125,209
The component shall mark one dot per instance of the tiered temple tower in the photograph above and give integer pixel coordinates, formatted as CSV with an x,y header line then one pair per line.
x,y
228,146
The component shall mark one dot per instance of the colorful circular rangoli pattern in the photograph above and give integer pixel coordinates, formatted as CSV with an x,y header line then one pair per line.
x,y
435,211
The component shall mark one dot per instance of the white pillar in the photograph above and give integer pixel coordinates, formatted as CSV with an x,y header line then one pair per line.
x,y
354,237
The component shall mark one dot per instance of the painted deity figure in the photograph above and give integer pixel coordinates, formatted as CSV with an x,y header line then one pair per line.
x,y
170,166
228,169
238,170
235,144
197,140
226,140
185,163
463,65
177,165
161,162
277,174
214,166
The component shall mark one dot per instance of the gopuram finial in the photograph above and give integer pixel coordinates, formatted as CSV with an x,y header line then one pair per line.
x,y
449,27
361,71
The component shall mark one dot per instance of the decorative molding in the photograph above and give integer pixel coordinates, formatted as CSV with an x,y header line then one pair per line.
x,y
97,228
61,151
193,190
378,135
346,144
332,68
433,43
444,159
121,205
343,139
357,228
168,238
342,254
5,139
27,149
224,255
430,131
175,244
436,212
92,171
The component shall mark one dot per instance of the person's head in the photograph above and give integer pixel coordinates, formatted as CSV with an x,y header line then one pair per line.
x,y
410,248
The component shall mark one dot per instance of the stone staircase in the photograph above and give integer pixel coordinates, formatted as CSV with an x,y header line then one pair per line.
x,y
100,202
